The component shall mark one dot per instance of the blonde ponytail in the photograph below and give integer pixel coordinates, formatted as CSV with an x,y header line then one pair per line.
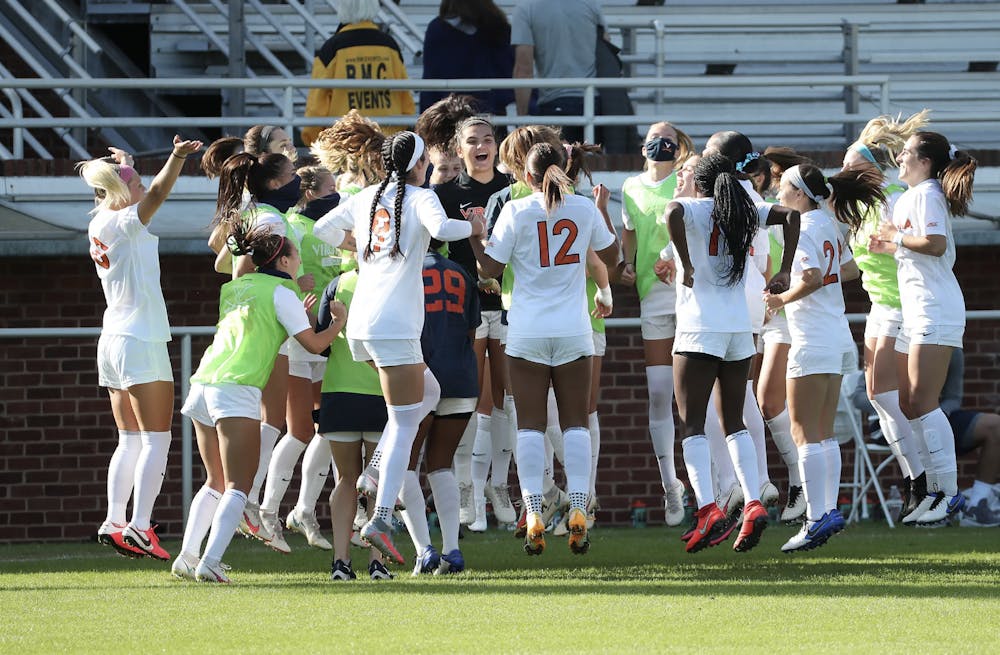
x,y
110,191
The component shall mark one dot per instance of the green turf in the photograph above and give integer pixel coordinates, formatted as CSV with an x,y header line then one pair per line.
x,y
870,589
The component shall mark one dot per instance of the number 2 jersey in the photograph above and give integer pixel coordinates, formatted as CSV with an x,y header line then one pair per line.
x,y
128,264
548,255
451,311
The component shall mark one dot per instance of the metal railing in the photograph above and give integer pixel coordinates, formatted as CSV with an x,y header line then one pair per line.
x,y
186,332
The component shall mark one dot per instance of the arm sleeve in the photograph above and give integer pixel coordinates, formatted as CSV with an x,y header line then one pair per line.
x,y
932,211
763,210
272,221
502,241
432,216
331,226
806,255
129,221
520,27
291,314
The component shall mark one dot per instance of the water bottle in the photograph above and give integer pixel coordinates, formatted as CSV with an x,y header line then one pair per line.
x,y
638,514
894,502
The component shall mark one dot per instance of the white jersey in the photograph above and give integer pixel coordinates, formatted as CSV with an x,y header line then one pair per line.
x,y
711,305
818,320
389,298
549,257
754,280
928,290
128,263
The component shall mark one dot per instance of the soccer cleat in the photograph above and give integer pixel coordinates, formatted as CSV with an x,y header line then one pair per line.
x,y
754,522
206,573
686,536
356,538
305,523
367,484
480,524
673,503
980,515
521,528
377,571
731,502
107,529
713,528
427,561
250,525
768,494
534,535
377,533
144,540
110,534
270,523
916,491
499,497
795,505
561,527
184,567
360,516
551,508
579,540
941,509
923,506
810,536
466,509
341,570
837,522
451,562
592,507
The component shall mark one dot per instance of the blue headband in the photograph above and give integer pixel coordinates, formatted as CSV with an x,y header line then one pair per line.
x,y
746,160
863,150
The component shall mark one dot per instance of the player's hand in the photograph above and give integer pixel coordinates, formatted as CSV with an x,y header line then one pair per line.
x,y
490,286
876,245
478,226
780,282
688,279
184,148
120,156
666,270
774,302
309,301
307,282
338,310
601,196
627,276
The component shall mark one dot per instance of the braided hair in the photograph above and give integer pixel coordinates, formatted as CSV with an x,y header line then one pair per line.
x,y
397,151
733,211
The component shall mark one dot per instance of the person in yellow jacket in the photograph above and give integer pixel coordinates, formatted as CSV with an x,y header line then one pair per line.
x,y
358,50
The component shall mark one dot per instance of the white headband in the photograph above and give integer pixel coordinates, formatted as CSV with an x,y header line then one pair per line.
x,y
418,151
952,151
794,176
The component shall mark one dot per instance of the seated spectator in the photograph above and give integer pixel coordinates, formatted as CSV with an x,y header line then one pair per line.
x,y
358,50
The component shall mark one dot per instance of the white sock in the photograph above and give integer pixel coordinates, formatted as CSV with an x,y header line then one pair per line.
x,y
415,514
724,475
200,516
660,384
375,461
834,464
280,471
396,442
268,437
149,470
781,434
548,473
463,454
698,461
511,409
577,464
917,429
227,517
940,441
812,468
744,454
531,466
121,474
594,426
444,488
482,452
316,466
897,433
501,441
754,421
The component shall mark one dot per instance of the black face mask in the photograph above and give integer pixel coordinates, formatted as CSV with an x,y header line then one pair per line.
x,y
660,149
319,207
283,197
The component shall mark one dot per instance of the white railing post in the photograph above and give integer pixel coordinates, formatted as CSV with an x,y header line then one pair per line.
x,y
589,110
17,111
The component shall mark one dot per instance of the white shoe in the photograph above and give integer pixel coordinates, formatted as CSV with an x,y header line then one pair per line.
x,y
205,573
305,523
250,523
356,539
561,529
925,504
367,484
673,503
184,567
499,497
271,522
360,518
551,508
466,511
731,501
479,525
768,494
795,505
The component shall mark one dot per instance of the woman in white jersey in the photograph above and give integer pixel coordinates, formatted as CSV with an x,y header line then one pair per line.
x,y
132,360
822,346
544,237
257,312
940,178
644,199
395,222
878,145
712,235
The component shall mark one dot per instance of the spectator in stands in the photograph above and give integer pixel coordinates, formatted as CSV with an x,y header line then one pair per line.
x,y
556,38
358,50
469,39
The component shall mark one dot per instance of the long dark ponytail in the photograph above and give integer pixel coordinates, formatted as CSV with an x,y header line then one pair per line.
x,y
955,169
260,243
853,192
733,211
244,171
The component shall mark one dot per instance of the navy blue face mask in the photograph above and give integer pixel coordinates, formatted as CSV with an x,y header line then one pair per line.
x,y
284,197
660,149
319,207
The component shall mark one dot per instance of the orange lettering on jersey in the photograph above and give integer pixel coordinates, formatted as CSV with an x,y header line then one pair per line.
x,y
99,253
381,230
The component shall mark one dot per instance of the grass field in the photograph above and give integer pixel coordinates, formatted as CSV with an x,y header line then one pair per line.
x,y
870,589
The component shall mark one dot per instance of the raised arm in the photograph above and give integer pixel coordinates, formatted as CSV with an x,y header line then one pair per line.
x,y
164,180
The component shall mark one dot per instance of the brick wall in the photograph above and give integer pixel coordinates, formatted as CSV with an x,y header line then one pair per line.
x,y
57,432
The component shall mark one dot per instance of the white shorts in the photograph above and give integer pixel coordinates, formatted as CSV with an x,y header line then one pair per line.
x,y
386,352
124,362
929,335
600,343
727,346
883,321
312,371
551,351
448,406
352,437
775,331
207,403
491,327
819,361
654,328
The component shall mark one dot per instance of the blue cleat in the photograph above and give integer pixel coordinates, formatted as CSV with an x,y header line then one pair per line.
x,y
427,561
809,538
837,522
451,562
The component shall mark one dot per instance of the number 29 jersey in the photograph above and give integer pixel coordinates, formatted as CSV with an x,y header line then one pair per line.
x,y
451,312
549,257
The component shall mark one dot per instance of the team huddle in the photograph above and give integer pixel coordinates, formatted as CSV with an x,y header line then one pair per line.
x,y
382,317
